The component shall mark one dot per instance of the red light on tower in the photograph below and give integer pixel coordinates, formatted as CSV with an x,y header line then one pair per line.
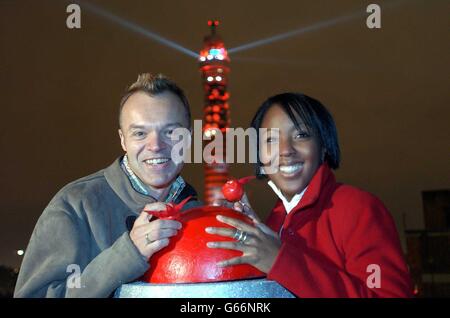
x,y
214,68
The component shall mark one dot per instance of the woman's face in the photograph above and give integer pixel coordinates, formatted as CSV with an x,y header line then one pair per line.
x,y
294,155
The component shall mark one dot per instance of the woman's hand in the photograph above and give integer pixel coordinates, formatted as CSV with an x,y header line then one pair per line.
x,y
259,244
242,206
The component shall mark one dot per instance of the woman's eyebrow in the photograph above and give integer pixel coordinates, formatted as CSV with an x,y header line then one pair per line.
x,y
269,131
300,125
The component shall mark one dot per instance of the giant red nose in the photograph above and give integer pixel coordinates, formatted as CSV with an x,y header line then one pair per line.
x,y
187,259
233,189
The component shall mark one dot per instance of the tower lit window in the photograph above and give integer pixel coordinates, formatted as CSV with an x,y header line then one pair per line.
x,y
215,68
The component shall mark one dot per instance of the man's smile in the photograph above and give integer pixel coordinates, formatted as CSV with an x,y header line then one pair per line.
x,y
157,164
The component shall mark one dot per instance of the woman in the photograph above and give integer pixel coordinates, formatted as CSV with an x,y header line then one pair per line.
x,y
322,238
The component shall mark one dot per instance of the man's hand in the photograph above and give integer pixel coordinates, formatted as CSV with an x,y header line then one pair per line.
x,y
150,237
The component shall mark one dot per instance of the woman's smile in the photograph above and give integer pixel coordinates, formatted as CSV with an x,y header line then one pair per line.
x,y
291,170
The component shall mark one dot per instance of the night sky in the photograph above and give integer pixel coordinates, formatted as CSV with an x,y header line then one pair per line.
x,y
60,88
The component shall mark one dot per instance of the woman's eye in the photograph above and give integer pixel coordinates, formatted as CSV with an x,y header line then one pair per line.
x,y
301,135
169,132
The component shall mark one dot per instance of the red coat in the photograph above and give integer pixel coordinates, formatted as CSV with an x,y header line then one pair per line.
x,y
331,237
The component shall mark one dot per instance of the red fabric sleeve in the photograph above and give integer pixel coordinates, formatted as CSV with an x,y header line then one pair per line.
x,y
367,235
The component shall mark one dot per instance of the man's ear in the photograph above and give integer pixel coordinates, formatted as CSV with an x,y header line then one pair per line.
x,y
122,140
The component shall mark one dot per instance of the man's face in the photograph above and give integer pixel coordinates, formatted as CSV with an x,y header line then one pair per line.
x,y
147,123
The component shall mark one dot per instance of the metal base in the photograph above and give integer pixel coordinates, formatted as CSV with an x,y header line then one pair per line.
x,y
253,288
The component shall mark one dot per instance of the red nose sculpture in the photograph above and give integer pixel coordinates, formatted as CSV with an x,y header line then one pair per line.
x,y
233,189
187,259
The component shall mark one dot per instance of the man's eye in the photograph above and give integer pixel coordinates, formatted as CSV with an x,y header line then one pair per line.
x,y
169,132
138,134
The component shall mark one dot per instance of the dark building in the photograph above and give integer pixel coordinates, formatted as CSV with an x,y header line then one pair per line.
x,y
8,277
428,250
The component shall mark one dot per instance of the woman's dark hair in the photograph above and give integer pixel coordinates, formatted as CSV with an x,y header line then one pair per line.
x,y
313,114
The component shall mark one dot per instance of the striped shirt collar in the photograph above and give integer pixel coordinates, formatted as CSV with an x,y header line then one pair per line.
x,y
175,189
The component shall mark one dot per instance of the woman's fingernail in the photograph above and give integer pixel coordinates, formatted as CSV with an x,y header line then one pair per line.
x,y
209,230
210,244
219,217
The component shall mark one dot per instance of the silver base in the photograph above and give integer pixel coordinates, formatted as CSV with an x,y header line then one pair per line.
x,y
253,288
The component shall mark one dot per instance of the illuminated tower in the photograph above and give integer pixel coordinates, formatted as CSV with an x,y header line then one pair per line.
x,y
214,68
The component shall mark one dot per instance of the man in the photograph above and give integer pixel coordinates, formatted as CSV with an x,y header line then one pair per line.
x,y
94,235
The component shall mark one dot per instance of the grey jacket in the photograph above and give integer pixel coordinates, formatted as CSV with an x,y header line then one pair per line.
x,y
87,224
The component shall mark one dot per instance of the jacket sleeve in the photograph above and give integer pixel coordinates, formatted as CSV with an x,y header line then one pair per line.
x,y
373,258
58,263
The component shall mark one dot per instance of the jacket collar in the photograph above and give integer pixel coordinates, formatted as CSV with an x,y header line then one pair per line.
x,y
322,179
121,185
289,205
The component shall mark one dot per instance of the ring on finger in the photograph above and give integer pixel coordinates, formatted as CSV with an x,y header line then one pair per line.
x,y
237,235
240,236
243,238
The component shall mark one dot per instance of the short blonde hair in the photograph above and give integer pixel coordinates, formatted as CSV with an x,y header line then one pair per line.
x,y
154,85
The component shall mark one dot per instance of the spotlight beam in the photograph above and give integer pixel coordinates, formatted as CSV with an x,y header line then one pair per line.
x,y
136,28
306,29
303,64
